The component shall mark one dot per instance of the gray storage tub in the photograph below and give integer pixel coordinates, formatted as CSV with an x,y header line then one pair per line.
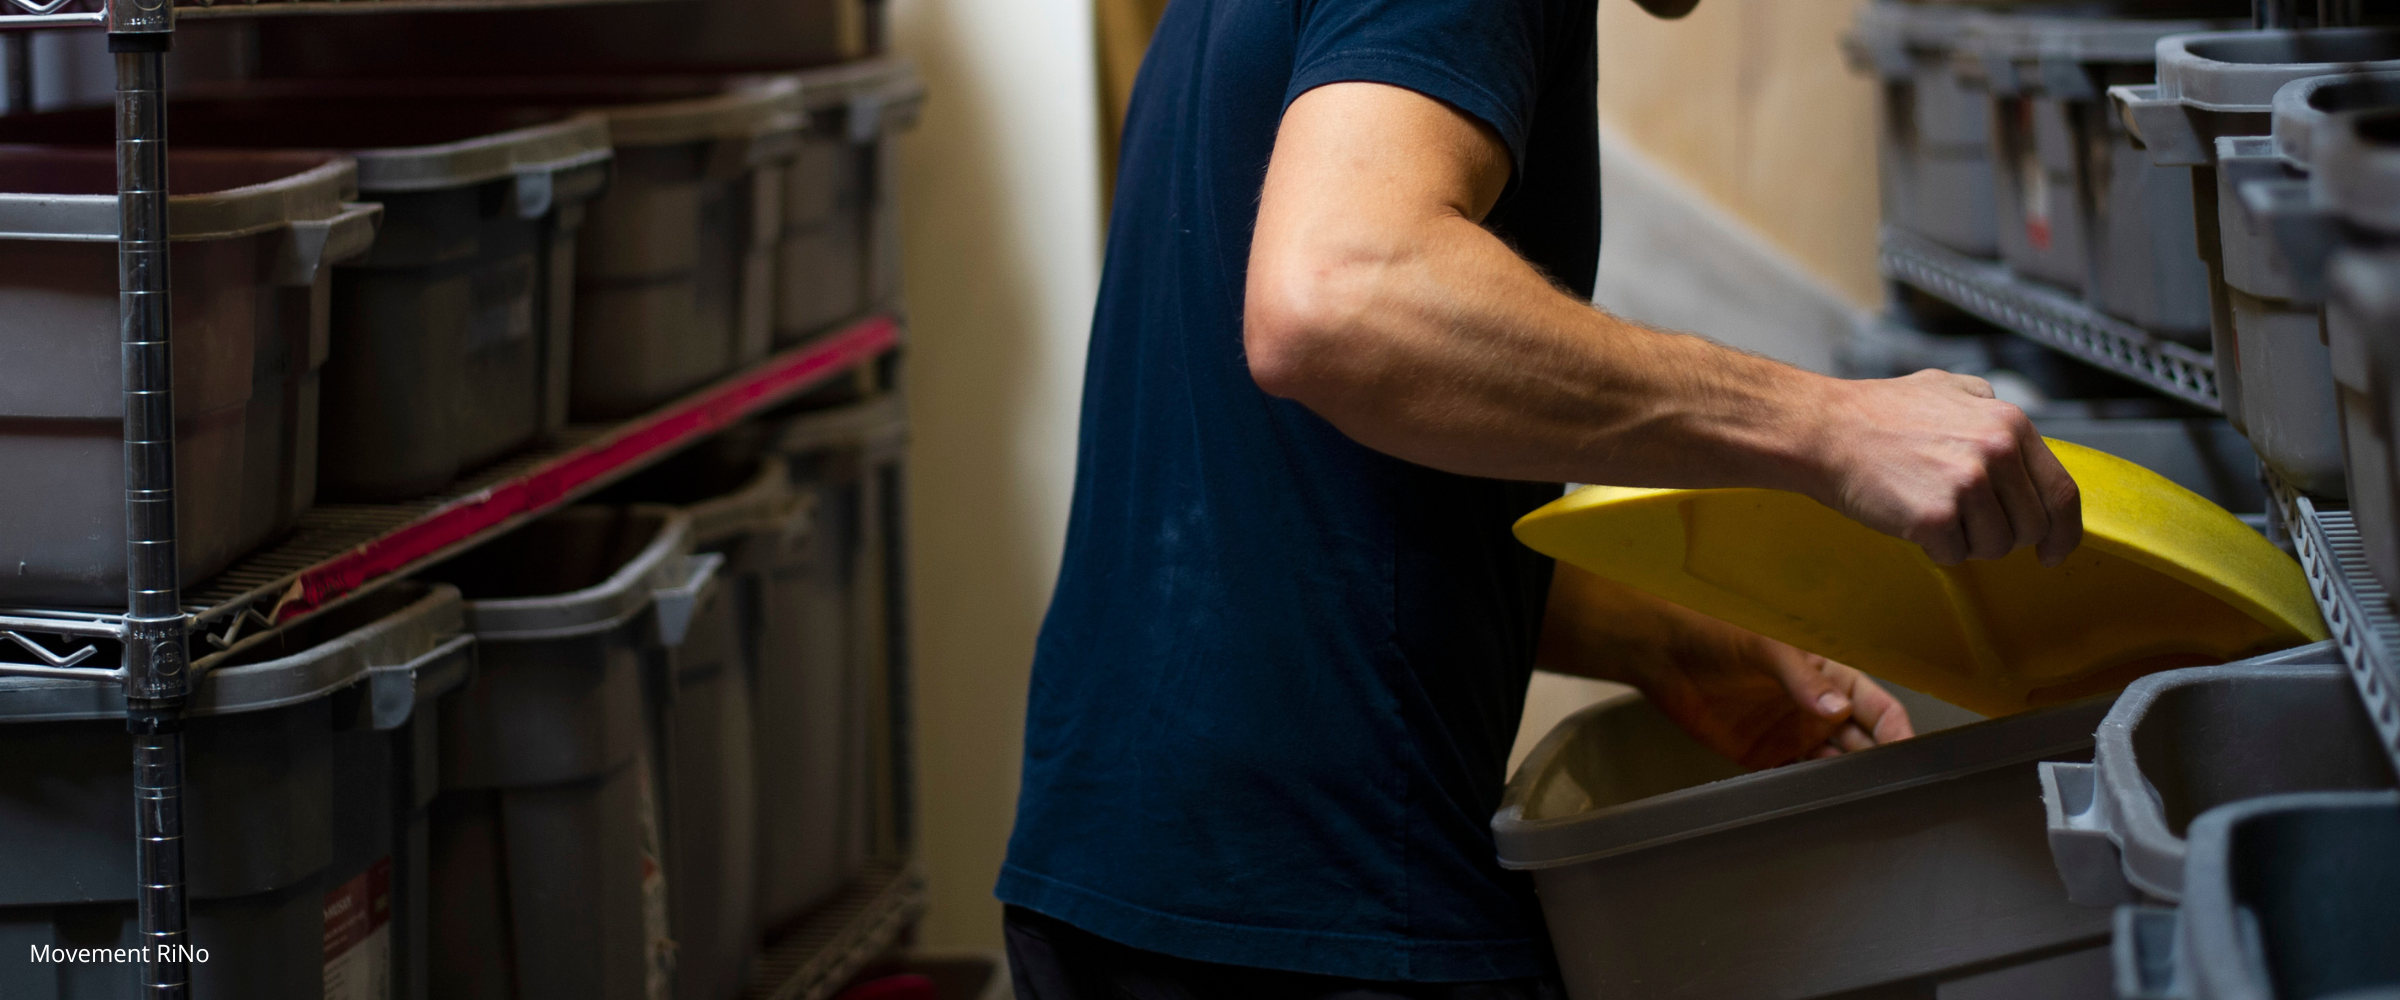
x,y
1665,871
308,766
548,859
2357,182
838,254
449,339
2287,897
2078,205
829,648
743,509
2183,742
2213,86
251,232
675,259
1933,146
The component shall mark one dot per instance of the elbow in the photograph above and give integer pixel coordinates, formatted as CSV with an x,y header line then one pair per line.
x,y
1295,321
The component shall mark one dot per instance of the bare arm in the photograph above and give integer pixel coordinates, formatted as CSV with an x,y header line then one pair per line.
x,y
1755,700
1377,299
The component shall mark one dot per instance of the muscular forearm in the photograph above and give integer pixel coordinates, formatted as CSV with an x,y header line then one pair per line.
x,y
1430,339
1377,299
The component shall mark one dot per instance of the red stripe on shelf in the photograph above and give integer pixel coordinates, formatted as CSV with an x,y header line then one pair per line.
x,y
550,484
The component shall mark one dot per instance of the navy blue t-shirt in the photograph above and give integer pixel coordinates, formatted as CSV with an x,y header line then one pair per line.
x,y
1275,694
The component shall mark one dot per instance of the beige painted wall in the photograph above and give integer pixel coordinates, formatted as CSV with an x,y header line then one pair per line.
x,y
1748,101
1000,189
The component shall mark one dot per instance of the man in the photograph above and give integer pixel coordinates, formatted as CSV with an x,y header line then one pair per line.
x,y
1332,362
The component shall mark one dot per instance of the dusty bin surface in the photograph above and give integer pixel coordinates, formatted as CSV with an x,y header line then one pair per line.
x,y
251,234
838,253
308,767
1664,871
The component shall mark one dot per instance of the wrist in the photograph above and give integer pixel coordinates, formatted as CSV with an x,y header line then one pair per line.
x,y
1805,438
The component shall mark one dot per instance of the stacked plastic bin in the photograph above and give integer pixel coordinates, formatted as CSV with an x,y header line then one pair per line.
x,y
1934,142
308,775
448,341
2078,206
839,248
255,233
2210,111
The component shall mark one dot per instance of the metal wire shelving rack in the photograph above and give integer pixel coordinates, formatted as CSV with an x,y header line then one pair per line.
x,y
166,639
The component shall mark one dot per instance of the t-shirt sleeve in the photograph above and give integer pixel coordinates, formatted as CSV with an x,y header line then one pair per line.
x,y
1486,58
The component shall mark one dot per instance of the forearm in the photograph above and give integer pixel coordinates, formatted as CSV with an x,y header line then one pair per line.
x,y
1430,339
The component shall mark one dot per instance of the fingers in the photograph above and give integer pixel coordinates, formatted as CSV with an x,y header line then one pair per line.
x,y
1803,677
1873,709
2061,500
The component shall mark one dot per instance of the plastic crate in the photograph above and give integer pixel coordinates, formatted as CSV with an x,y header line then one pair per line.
x,y
1664,871
2216,85
448,340
838,253
1933,146
306,776
2183,742
2357,157
252,233
2286,897
2078,205
548,848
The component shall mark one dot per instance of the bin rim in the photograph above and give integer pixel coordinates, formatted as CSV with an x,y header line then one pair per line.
x,y
1704,810
2212,942
2151,856
2078,39
556,147
2214,85
2356,176
602,607
411,631
890,79
318,188
2298,120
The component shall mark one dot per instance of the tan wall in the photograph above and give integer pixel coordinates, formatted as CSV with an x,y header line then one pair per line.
x,y
1000,214
1749,102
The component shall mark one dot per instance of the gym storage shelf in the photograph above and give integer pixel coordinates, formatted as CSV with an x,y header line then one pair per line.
x,y
2053,319
341,551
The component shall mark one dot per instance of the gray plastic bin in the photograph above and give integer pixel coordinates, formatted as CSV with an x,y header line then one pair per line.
x,y
306,776
548,857
252,231
2357,183
1933,146
2078,205
2287,897
1665,871
828,658
2217,85
2182,742
448,343
673,265
838,254
743,509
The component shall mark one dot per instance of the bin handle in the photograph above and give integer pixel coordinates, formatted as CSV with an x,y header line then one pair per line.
x,y
2142,949
2160,125
2081,844
309,244
2303,232
676,605
395,691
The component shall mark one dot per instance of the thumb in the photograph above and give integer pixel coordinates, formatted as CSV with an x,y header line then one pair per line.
x,y
1805,679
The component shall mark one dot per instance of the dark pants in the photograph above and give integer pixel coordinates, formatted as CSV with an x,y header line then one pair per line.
x,y
1052,960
